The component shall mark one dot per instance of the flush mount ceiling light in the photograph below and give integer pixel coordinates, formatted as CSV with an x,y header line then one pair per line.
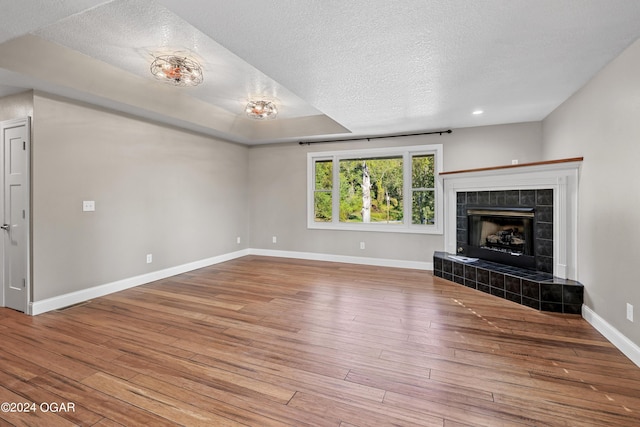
x,y
261,110
177,70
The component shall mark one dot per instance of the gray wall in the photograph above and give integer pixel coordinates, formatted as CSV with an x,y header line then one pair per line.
x,y
278,190
16,106
177,195
602,123
185,197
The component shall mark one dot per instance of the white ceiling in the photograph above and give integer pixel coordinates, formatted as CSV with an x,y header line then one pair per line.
x,y
336,69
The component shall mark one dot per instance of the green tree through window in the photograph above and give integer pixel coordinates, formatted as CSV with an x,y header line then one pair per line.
x,y
322,190
423,190
385,190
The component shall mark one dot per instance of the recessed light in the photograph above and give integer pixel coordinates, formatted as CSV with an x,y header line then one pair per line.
x,y
477,112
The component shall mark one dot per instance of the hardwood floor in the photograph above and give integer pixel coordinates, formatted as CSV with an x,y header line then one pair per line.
x,y
279,342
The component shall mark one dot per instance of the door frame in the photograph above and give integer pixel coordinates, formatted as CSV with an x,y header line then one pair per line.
x,y
26,122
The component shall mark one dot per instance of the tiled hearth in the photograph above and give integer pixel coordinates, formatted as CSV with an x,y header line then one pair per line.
x,y
537,290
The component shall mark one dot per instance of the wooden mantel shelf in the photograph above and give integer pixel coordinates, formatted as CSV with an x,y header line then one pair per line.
x,y
547,162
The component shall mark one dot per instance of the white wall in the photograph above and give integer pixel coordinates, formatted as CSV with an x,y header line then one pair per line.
x,y
602,123
158,190
278,190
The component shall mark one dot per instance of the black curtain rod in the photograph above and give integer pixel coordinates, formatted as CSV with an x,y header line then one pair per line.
x,y
439,132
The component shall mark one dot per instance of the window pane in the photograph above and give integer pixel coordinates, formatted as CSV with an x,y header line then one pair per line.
x,y
324,174
322,206
423,209
371,190
422,175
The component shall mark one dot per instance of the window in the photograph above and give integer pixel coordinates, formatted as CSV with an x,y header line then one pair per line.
x,y
322,190
388,189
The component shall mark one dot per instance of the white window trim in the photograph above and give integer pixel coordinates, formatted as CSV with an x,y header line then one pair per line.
x,y
406,153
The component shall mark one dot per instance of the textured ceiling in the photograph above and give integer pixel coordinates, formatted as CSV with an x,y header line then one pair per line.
x,y
335,69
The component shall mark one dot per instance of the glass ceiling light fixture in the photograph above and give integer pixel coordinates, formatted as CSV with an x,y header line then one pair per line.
x,y
177,70
261,110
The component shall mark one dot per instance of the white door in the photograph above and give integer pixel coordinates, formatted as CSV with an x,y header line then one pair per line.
x,y
15,213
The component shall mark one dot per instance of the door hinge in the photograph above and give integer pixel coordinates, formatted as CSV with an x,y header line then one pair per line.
x,y
23,214
24,283
24,145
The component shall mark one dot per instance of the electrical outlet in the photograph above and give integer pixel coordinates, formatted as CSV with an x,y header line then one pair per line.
x,y
88,206
149,258
361,245
238,240
274,239
629,312
514,161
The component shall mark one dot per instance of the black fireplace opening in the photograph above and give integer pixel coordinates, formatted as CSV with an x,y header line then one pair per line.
x,y
502,234
537,201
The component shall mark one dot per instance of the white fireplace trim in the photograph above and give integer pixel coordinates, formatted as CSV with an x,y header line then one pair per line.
x,y
562,178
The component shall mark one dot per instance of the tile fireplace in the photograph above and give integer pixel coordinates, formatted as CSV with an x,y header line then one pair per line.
x,y
511,231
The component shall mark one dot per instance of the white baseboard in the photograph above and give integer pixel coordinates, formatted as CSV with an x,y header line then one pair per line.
x,y
381,262
624,344
55,303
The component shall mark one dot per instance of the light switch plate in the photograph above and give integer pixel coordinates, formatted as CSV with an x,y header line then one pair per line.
x,y
88,206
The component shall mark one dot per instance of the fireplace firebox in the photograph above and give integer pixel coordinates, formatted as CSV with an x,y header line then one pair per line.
x,y
502,234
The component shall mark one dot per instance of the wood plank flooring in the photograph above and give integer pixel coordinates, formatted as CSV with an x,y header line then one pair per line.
x,y
263,341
